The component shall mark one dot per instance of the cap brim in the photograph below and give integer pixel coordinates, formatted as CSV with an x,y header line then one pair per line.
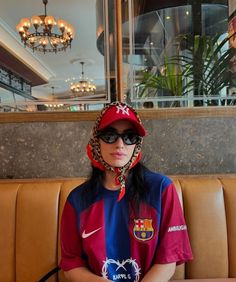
x,y
140,129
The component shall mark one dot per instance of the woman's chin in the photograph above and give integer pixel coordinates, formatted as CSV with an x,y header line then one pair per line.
x,y
117,164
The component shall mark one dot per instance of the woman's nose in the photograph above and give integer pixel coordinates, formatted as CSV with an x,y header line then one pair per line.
x,y
119,142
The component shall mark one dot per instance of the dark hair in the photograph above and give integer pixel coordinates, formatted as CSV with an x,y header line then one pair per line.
x,y
135,186
136,189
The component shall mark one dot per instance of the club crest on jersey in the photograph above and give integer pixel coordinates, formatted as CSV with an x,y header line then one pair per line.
x,y
143,229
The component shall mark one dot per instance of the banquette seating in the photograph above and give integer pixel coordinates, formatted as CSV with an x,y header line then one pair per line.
x,y
30,216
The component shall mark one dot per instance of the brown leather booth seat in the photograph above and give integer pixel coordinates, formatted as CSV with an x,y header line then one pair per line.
x,y
30,214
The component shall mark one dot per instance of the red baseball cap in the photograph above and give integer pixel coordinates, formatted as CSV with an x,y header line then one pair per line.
x,y
121,111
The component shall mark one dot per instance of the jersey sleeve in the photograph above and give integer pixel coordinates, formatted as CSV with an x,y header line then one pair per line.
x,y
173,243
71,247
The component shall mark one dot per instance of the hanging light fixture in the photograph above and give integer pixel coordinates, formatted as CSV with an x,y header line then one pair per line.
x,y
54,105
43,33
84,86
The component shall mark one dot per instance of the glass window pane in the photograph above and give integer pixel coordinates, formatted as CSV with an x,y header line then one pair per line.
x,y
177,55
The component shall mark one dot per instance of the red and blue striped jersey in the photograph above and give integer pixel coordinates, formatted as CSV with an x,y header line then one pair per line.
x,y
110,239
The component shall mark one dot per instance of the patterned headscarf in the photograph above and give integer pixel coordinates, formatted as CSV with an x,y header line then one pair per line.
x,y
111,113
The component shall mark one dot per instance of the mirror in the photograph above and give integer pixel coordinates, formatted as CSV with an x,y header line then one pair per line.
x,y
77,78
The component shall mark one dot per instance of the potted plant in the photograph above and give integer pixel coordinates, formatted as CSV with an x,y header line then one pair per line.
x,y
201,68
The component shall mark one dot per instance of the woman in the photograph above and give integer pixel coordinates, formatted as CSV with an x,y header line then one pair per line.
x,y
125,223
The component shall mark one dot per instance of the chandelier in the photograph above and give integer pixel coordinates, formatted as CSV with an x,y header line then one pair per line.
x,y
43,33
84,86
54,105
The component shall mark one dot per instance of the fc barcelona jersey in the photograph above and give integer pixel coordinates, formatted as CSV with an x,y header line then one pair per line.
x,y
109,238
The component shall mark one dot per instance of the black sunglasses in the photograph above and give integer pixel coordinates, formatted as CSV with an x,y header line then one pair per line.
x,y
110,137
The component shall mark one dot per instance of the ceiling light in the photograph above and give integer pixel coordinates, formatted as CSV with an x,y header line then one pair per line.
x,y
55,104
43,33
84,86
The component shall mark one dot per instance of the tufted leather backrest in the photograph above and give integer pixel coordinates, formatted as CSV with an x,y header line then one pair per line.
x,y
30,216
29,227
209,205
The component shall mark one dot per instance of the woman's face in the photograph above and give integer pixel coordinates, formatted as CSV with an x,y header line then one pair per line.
x,y
118,153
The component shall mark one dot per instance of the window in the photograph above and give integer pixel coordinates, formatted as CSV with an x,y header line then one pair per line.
x,y
177,55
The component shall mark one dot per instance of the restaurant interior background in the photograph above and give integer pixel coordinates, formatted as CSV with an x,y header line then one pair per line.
x,y
44,126
174,54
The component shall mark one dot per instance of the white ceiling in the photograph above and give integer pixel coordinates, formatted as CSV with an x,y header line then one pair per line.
x,y
56,68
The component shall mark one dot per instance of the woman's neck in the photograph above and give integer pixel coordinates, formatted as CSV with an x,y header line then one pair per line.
x,y
109,180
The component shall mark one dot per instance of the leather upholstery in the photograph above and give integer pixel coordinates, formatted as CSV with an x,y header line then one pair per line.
x,y
204,206
30,216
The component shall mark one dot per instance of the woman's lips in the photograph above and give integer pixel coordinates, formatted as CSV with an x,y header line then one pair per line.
x,y
118,155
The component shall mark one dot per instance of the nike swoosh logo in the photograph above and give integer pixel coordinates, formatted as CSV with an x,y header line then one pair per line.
x,y
86,235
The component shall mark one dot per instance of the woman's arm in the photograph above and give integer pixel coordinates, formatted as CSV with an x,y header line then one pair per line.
x,y
82,274
160,273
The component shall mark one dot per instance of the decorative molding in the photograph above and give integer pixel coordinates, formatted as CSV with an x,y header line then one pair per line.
x,y
119,51
197,112
176,113
47,116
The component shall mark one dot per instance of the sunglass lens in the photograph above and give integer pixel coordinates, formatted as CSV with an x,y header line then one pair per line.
x,y
109,137
130,138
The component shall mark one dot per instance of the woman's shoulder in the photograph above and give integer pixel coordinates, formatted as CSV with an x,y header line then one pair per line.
x,y
75,192
156,178
80,197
